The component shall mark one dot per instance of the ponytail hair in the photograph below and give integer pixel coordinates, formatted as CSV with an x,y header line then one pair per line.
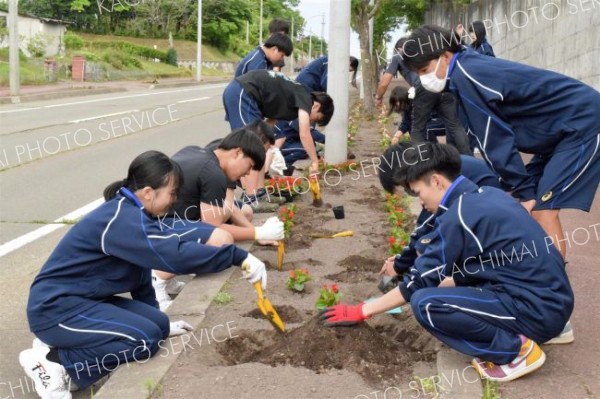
x,y
149,169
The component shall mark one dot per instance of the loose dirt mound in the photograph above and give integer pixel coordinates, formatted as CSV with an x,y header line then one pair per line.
x,y
358,269
359,348
288,314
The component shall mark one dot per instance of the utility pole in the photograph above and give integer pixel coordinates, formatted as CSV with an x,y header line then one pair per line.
x,y
199,44
13,52
260,27
336,145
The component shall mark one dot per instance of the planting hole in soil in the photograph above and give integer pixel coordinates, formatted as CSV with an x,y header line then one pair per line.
x,y
288,314
358,269
379,360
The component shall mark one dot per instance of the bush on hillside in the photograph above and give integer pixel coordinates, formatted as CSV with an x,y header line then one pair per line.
x,y
171,56
73,41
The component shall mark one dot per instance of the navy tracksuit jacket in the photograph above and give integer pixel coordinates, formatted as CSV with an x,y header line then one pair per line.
x,y
509,279
527,109
256,59
73,304
314,76
473,169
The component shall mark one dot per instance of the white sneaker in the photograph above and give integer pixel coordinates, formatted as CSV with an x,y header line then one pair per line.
x,y
174,286
160,290
566,336
51,379
37,343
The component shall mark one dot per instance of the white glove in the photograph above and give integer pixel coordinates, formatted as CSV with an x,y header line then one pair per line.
x,y
253,269
278,162
411,93
271,230
179,327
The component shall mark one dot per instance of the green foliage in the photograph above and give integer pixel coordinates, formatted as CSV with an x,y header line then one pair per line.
x,y
73,41
171,57
130,48
491,389
328,296
223,298
37,45
298,278
224,21
120,60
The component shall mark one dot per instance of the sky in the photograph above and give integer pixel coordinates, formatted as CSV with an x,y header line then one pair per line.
x,y
313,11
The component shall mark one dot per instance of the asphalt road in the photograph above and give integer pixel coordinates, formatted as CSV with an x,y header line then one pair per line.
x,y
56,157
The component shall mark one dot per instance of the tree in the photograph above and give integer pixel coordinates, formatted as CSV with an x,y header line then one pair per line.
x,y
362,13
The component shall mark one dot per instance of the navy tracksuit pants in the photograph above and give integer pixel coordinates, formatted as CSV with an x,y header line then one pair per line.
x,y
240,107
470,320
110,334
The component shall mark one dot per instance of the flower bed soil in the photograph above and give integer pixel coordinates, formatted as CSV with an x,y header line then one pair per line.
x,y
379,360
310,360
358,269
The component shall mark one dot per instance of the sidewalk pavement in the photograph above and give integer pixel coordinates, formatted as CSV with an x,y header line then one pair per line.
x,y
64,89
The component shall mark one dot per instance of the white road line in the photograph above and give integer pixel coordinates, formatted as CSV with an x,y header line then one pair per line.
x,y
19,242
130,96
203,87
192,100
103,116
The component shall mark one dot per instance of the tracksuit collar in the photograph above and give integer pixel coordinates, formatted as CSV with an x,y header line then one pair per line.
x,y
130,196
450,194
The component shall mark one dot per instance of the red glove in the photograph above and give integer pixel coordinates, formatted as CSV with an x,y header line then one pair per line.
x,y
342,315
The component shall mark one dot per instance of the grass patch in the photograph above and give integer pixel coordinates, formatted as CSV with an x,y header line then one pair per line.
x,y
491,390
30,74
223,297
186,50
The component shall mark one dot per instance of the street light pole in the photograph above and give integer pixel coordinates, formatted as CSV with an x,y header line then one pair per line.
x,y
322,33
310,45
199,44
336,145
13,52
260,27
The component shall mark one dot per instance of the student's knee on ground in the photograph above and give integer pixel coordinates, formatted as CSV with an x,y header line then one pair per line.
x,y
247,212
220,237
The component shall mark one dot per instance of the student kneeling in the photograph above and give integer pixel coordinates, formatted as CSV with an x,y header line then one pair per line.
x,y
485,283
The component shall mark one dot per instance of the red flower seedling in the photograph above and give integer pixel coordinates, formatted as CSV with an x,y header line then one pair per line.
x,y
298,278
328,297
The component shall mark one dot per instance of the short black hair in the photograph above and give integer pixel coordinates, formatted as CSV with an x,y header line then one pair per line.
x,y
407,162
354,63
263,130
427,43
326,106
248,141
282,42
279,26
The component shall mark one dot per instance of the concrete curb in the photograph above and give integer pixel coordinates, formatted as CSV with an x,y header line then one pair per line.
x,y
139,380
458,378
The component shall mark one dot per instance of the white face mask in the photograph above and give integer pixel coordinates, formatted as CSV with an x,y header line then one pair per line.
x,y
431,82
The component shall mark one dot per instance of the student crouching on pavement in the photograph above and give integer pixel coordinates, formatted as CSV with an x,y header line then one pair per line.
x,y
73,307
461,289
